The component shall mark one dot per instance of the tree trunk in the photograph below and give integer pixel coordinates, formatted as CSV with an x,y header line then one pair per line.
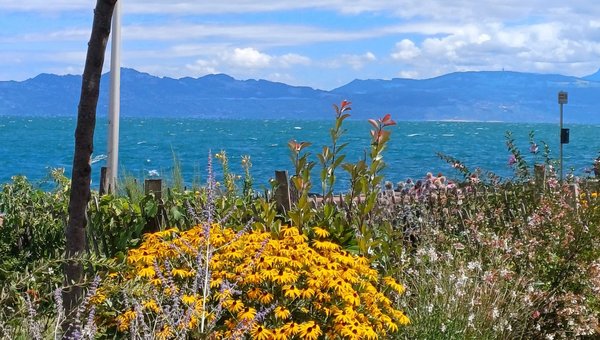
x,y
84,145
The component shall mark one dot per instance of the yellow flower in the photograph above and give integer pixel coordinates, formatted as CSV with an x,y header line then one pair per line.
x,y
403,319
188,299
320,232
352,298
594,195
345,315
308,293
266,298
388,280
255,293
285,276
234,306
280,334
291,328
352,332
282,313
290,232
247,314
165,333
182,273
291,292
124,320
325,245
151,305
147,272
98,298
259,332
309,330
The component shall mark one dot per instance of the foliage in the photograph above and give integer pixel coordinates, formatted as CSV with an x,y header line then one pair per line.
x,y
32,222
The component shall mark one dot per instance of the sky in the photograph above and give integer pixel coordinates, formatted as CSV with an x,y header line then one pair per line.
x,y
323,44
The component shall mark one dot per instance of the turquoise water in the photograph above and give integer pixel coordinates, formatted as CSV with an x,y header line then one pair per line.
x,y
32,145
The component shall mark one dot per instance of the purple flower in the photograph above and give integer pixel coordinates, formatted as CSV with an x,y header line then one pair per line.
x,y
533,148
512,160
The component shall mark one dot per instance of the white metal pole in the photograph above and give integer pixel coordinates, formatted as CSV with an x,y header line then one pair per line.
x,y
114,107
561,142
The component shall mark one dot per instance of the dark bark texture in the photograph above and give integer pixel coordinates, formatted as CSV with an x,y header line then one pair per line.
x,y
84,146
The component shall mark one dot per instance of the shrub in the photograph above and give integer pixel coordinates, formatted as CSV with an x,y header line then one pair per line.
x,y
272,285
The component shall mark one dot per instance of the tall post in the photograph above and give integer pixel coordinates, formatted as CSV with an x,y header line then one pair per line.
x,y
114,108
561,144
562,99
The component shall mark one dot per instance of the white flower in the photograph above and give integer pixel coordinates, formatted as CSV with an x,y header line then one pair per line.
x,y
474,265
432,254
495,313
470,323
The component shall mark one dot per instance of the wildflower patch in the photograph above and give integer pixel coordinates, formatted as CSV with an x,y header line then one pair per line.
x,y
266,285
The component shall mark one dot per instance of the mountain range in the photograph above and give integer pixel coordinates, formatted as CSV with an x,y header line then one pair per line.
x,y
480,96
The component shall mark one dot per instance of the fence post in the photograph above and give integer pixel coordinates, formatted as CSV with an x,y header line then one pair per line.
x,y
539,172
154,186
574,196
282,191
102,189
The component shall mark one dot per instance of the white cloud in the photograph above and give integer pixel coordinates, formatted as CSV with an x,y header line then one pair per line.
x,y
252,58
202,67
408,74
291,59
247,58
406,50
356,61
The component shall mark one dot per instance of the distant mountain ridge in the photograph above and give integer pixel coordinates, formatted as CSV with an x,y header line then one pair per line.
x,y
481,96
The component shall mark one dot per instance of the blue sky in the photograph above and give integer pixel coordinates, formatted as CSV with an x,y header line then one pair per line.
x,y
318,43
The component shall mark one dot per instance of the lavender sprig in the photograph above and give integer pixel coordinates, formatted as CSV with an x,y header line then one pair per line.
x,y
34,326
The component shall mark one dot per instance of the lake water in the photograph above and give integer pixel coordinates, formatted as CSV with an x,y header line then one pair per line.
x,y
32,145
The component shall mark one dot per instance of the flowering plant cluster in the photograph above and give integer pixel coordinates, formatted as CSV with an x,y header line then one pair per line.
x,y
270,285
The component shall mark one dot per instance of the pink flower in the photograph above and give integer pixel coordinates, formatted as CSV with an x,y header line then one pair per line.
x,y
512,160
533,148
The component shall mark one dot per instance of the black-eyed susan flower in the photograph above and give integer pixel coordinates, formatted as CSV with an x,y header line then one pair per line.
x,y
266,298
188,299
351,298
151,305
282,313
284,276
234,306
147,272
320,232
280,334
325,245
308,293
260,332
291,292
309,330
391,282
291,328
345,315
248,313
255,293
124,320
182,273
165,333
